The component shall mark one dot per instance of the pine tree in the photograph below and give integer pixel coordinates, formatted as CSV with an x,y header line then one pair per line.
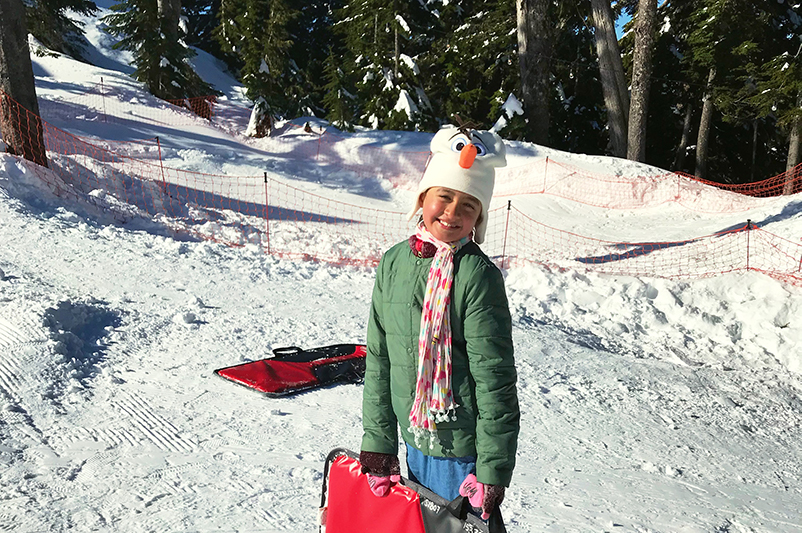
x,y
477,54
385,42
614,82
312,32
773,82
641,79
534,53
256,33
201,21
48,21
338,101
674,98
695,40
160,56
728,39
578,113
20,124
477,63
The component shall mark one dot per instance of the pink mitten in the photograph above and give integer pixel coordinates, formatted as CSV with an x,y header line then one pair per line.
x,y
380,485
382,469
473,490
481,496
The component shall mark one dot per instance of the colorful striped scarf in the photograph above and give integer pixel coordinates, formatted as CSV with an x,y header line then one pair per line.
x,y
434,401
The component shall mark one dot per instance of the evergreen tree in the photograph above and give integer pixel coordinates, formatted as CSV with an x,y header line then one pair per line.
x,y
312,32
201,22
773,79
477,51
641,79
47,20
614,82
338,101
535,40
477,62
256,33
676,91
160,56
20,125
385,41
579,116
724,43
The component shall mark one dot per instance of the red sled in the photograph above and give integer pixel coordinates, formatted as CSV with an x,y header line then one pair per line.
x,y
347,505
293,370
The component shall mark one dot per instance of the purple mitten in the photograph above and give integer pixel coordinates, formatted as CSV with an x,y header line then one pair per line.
x,y
382,469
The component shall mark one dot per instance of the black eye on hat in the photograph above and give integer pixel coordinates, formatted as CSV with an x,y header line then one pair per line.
x,y
460,142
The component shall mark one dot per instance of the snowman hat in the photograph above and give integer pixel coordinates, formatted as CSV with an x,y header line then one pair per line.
x,y
465,160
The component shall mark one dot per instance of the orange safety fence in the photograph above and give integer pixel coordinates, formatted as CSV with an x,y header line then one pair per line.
x,y
287,221
404,168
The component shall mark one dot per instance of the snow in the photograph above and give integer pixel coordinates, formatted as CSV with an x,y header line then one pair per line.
x,y
257,115
410,63
649,405
402,23
405,104
511,107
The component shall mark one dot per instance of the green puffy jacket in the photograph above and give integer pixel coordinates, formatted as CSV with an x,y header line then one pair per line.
x,y
483,368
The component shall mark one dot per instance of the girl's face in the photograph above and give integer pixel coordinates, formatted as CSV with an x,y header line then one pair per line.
x,y
449,215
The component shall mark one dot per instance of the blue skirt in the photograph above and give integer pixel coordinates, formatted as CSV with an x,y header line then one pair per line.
x,y
441,475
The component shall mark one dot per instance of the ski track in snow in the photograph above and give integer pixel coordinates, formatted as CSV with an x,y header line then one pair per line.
x,y
143,447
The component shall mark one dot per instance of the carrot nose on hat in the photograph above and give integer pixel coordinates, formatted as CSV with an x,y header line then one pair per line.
x,y
467,155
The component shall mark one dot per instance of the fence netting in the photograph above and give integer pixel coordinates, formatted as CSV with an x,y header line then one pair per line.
x,y
129,179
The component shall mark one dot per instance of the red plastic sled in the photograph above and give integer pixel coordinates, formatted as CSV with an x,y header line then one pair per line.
x,y
293,370
348,505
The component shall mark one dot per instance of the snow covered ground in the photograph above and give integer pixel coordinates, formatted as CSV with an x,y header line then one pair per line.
x,y
649,405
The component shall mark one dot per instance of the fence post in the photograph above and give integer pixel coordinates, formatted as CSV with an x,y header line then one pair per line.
x,y
164,181
545,175
161,165
506,229
267,213
679,190
103,98
748,235
799,269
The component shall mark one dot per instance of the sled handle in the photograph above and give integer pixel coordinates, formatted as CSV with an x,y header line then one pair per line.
x,y
287,350
459,507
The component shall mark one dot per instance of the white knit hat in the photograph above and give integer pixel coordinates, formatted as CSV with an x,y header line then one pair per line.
x,y
447,168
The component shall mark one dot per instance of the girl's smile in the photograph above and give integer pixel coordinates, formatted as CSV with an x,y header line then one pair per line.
x,y
450,215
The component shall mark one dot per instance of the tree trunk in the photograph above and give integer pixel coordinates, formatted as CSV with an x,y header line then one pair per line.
x,y
703,138
794,155
754,150
534,53
641,79
20,124
396,53
679,155
614,84
169,15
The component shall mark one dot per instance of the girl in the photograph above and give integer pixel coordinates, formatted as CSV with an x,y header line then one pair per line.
x,y
439,349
